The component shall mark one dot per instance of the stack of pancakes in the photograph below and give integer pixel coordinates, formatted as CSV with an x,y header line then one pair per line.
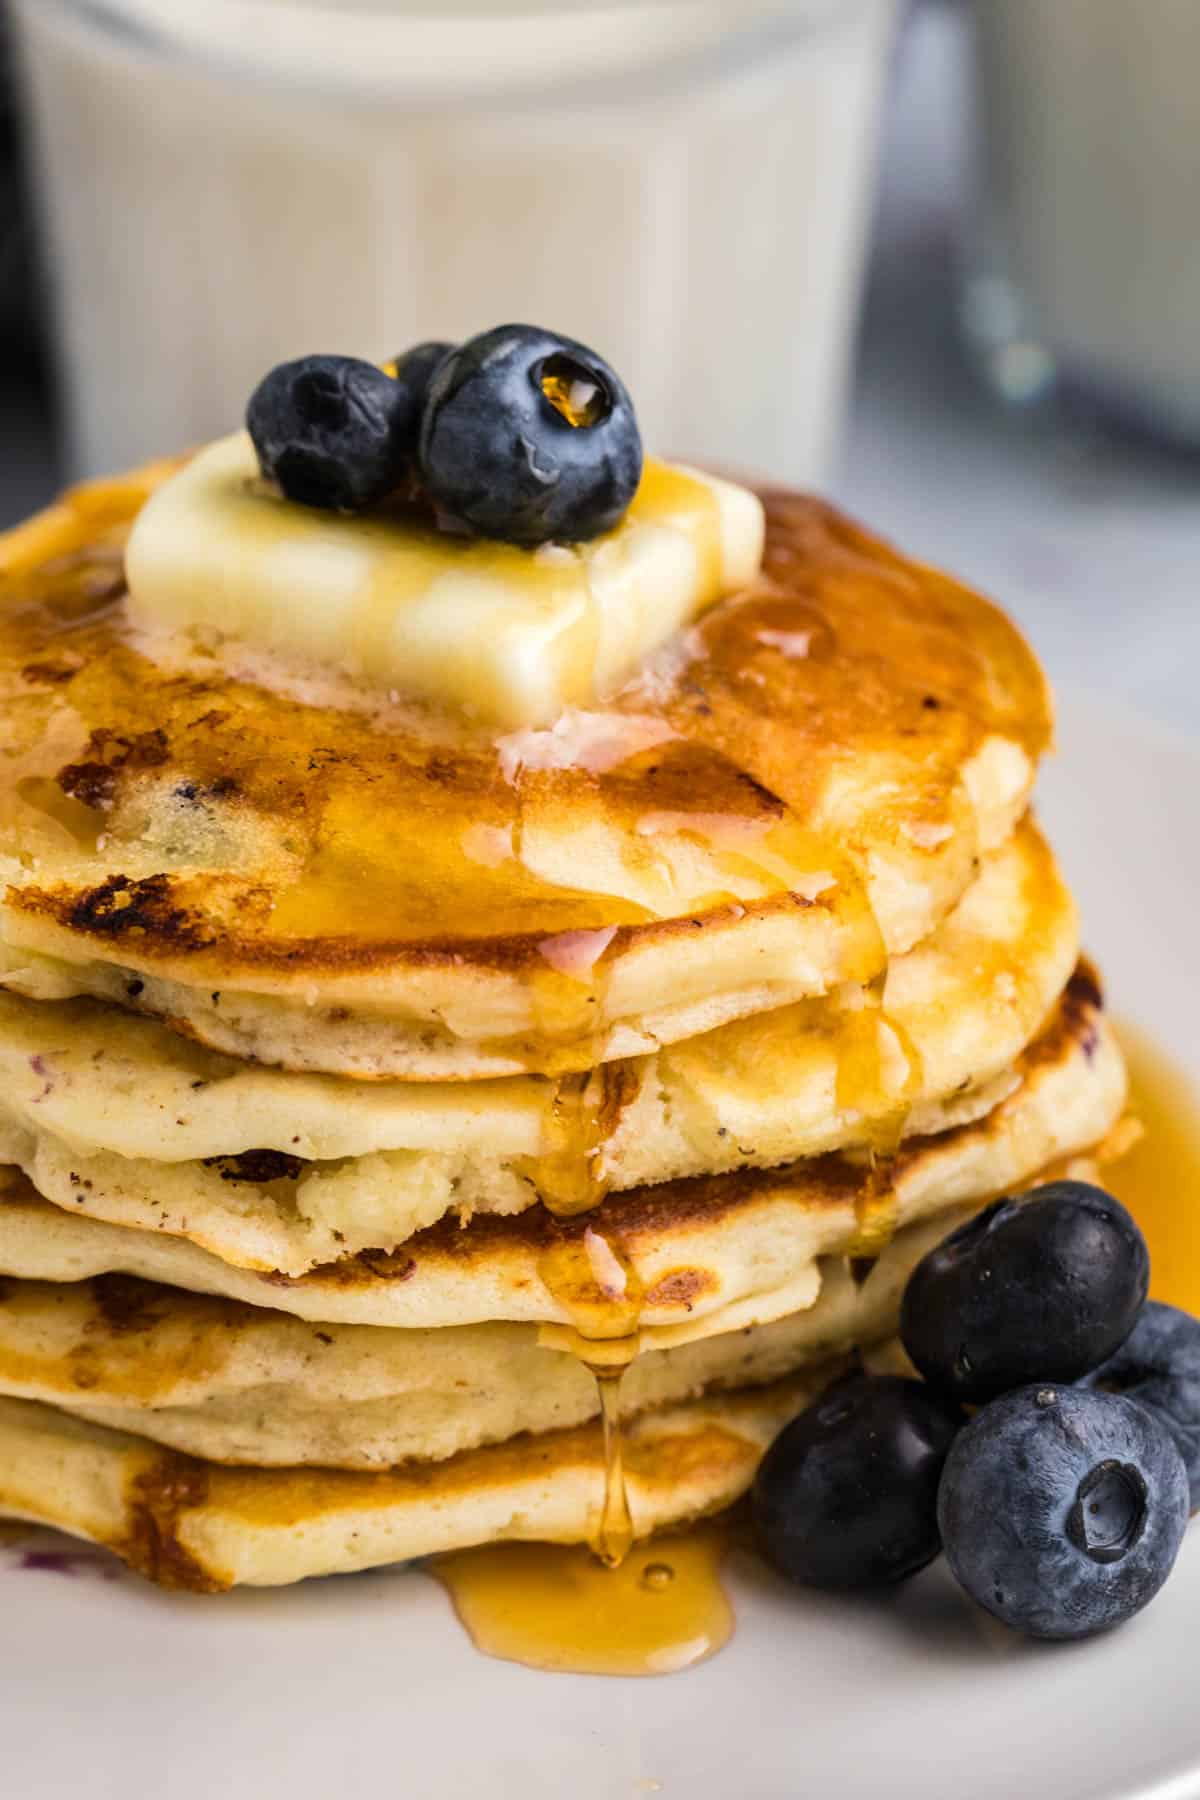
x,y
366,1080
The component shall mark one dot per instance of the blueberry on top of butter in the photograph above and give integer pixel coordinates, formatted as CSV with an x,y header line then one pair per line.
x,y
528,436
333,431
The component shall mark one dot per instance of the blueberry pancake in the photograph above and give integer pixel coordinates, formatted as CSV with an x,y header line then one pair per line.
x,y
511,953
301,867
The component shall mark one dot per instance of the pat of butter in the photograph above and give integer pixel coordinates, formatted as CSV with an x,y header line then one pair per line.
x,y
509,635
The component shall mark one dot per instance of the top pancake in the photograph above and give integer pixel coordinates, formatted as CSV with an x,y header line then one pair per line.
x,y
290,867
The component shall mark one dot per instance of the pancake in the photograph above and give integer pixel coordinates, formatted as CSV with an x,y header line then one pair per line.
x,y
293,868
285,1171
187,1523
699,1256
243,1385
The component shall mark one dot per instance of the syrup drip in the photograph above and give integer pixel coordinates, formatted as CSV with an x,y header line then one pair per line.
x,y
566,996
555,1607
614,1538
879,1077
593,1280
589,1274
591,1277
1159,1178
570,1177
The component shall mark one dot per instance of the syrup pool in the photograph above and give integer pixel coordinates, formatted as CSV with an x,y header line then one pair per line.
x,y
557,1607
1159,1179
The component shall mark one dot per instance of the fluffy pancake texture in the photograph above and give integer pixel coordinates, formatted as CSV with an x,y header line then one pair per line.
x,y
290,867
245,1385
708,1254
364,1073
205,1522
301,1167
187,1523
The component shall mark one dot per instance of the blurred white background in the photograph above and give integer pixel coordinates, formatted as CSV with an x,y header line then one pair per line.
x,y
1090,536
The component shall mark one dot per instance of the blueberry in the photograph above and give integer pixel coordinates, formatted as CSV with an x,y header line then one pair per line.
x,y
530,436
1062,1510
1159,1364
1043,1290
415,370
847,1494
332,431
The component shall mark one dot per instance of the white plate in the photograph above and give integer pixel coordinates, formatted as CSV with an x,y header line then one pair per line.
x,y
367,1684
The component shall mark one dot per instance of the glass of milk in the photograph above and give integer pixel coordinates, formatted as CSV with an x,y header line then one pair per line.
x,y
684,184
1085,269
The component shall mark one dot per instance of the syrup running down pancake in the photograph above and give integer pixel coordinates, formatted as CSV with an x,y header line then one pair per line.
x,y
696,1257
208,1522
419,1133
294,867
303,1169
242,1384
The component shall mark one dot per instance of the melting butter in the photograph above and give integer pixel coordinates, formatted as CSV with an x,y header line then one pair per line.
x,y
509,635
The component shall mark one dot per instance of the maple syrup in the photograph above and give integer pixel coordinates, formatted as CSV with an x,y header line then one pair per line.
x,y
369,833
878,1077
592,1278
614,1536
351,815
570,1176
555,1607
1159,1178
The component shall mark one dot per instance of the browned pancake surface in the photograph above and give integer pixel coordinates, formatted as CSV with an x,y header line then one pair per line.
x,y
178,811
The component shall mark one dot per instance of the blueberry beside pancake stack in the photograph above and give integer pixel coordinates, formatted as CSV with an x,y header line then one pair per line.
x,y
493,930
